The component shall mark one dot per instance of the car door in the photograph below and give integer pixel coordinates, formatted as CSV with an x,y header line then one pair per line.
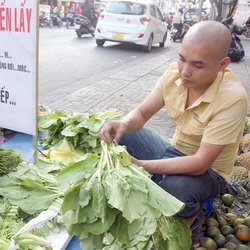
x,y
161,25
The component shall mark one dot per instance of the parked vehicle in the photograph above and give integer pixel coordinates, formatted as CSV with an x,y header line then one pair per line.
x,y
246,32
179,30
131,21
44,21
56,19
236,51
70,18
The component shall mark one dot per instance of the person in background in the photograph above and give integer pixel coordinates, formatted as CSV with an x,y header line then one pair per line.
x,y
170,17
177,18
208,105
88,9
59,9
78,9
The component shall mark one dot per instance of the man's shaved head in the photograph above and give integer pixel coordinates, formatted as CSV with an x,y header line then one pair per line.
x,y
212,34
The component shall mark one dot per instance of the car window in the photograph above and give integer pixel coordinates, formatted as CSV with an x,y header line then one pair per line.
x,y
155,12
190,15
127,8
152,11
159,13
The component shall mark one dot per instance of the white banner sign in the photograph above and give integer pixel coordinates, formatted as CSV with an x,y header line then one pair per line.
x,y
18,65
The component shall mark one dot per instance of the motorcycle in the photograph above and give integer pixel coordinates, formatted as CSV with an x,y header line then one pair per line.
x,y
83,25
180,30
236,51
56,19
246,33
70,18
44,21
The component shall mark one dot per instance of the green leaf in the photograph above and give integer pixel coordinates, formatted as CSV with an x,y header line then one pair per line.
x,y
77,172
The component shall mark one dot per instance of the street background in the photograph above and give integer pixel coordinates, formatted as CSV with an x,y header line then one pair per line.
x,y
87,88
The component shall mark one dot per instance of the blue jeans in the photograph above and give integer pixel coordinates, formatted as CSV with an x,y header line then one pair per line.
x,y
145,144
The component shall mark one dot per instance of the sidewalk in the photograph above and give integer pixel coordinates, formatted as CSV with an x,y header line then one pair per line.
x,y
126,89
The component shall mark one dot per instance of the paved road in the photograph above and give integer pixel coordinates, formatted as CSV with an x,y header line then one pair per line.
x,y
65,60
125,89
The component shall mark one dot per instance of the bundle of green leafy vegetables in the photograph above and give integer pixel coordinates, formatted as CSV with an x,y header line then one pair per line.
x,y
112,204
106,200
33,188
24,193
82,130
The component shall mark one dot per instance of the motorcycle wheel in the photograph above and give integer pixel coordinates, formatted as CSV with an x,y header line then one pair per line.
x,y
59,24
50,24
67,23
78,33
247,33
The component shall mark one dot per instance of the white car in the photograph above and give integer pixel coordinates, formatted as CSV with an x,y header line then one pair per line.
x,y
126,21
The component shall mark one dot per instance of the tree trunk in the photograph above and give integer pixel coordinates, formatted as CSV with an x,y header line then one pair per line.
x,y
217,4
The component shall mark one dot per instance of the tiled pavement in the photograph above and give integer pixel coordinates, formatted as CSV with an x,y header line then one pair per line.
x,y
125,89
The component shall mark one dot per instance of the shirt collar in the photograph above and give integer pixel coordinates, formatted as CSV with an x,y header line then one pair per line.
x,y
209,94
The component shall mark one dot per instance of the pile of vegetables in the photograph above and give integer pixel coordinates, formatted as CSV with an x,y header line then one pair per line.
x,y
112,204
9,159
81,130
106,200
24,193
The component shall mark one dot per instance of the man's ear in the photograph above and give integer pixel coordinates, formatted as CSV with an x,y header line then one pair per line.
x,y
224,62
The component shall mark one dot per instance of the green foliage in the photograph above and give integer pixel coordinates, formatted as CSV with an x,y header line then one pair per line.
x,y
112,204
81,130
30,188
9,160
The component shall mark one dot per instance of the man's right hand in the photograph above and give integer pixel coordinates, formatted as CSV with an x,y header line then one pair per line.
x,y
113,130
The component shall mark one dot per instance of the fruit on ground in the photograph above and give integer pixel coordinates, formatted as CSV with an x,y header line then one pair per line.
x,y
247,221
245,144
240,172
230,246
242,232
221,221
243,160
231,217
227,199
220,240
242,247
232,238
226,230
208,243
211,222
212,231
200,248
238,221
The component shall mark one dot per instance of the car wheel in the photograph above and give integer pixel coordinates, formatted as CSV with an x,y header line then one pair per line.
x,y
100,42
147,48
164,40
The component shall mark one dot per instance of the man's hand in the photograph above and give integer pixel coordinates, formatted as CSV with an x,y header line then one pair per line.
x,y
113,130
